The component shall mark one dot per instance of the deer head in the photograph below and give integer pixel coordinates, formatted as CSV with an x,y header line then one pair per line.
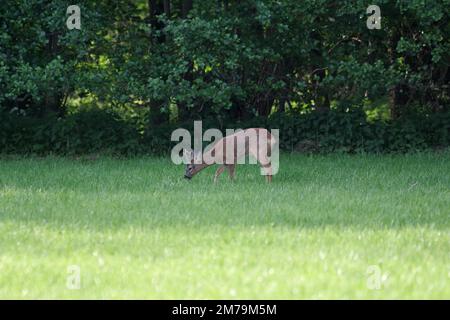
x,y
193,163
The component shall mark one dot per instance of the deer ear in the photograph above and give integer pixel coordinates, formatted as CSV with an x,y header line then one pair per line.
x,y
187,155
197,157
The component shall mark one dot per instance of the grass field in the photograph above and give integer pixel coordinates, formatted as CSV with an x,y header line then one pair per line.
x,y
327,227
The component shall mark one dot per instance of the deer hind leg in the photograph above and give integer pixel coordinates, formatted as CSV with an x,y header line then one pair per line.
x,y
266,166
231,170
268,172
218,173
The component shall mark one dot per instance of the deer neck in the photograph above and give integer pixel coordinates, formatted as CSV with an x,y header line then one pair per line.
x,y
200,167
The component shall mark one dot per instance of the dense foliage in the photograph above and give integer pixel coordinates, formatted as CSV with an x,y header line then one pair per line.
x,y
138,69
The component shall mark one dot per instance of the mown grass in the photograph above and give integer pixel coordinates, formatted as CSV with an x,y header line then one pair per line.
x,y
327,227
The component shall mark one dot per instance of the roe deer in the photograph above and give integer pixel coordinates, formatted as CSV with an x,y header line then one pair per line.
x,y
256,142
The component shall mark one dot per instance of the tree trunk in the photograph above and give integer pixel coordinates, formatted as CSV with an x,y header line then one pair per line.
x,y
398,100
156,8
53,99
183,113
167,8
186,6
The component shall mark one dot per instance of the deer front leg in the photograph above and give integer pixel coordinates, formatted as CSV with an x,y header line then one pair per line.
x,y
231,170
218,173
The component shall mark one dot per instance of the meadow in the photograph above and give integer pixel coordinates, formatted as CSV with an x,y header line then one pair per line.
x,y
335,226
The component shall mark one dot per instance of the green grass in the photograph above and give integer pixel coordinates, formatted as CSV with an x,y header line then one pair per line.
x,y
137,229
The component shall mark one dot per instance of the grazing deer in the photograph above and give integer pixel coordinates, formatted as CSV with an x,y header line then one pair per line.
x,y
256,142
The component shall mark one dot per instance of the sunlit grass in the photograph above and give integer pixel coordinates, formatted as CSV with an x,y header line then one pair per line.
x,y
137,229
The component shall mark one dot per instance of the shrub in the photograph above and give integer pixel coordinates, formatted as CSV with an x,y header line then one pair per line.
x,y
99,131
80,133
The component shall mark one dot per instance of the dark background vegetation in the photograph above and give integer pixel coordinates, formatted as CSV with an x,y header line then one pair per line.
x,y
139,69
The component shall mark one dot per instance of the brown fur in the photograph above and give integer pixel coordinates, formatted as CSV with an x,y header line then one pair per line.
x,y
219,149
